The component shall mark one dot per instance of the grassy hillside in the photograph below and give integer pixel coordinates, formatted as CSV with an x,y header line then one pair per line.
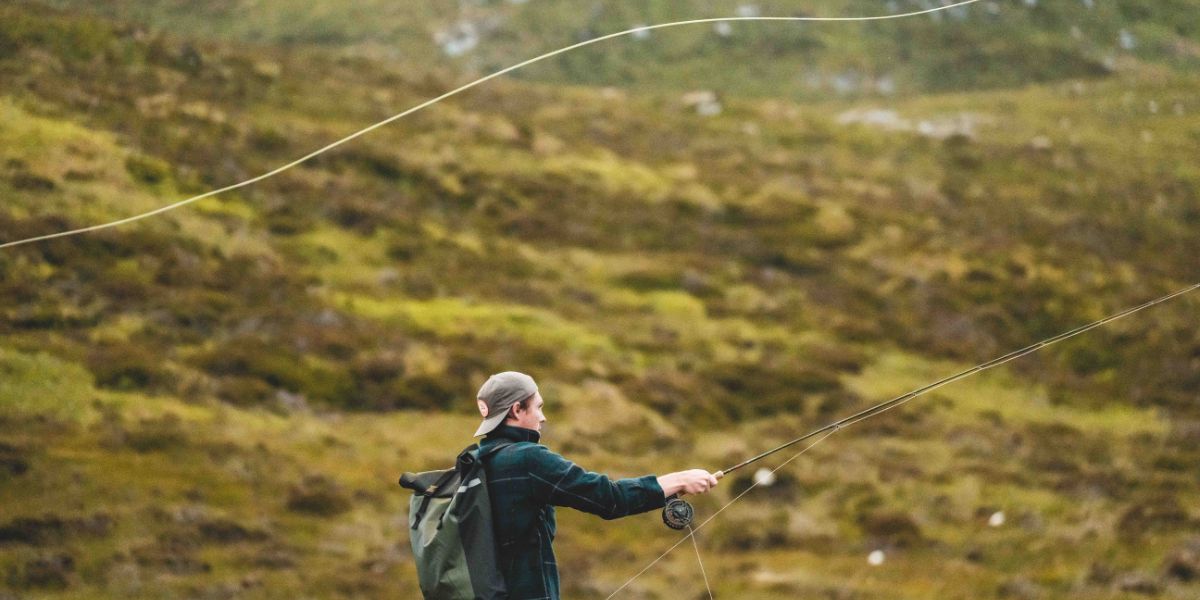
x,y
216,402
994,43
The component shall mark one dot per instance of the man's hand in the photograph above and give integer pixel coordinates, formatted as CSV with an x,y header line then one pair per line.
x,y
694,481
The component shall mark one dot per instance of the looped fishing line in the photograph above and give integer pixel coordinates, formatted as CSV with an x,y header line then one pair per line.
x,y
454,92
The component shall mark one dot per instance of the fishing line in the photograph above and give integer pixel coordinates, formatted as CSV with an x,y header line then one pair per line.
x,y
454,92
713,516
883,407
700,561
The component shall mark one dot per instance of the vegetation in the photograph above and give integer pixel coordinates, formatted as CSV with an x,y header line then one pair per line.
x,y
217,401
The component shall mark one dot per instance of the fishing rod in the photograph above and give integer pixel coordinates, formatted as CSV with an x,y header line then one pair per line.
x,y
678,514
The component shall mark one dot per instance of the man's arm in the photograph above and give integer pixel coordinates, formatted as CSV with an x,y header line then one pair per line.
x,y
560,482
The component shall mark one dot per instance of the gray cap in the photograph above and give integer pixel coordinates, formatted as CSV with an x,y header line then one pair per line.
x,y
498,394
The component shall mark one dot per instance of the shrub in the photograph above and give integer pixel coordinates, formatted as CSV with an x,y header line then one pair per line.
x,y
893,528
147,169
14,461
156,435
53,529
32,182
127,367
1155,515
51,571
318,496
764,388
241,360
224,531
758,531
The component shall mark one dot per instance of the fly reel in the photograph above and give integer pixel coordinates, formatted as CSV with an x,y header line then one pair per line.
x,y
677,513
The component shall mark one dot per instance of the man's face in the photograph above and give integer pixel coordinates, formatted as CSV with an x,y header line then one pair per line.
x,y
529,418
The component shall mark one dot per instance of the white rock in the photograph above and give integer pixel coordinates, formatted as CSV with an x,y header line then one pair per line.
x,y
886,85
1041,142
723,28
748,10
875,558
1128,42
458,39
997,519
705,102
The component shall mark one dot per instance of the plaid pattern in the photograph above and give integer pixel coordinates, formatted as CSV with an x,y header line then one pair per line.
x,y
526,481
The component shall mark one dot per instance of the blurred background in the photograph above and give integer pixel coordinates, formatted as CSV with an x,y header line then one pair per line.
x,y
702,241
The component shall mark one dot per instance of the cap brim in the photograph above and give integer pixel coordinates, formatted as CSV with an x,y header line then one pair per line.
x,y
491,423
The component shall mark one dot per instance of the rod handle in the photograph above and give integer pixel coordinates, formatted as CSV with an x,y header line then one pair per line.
x,y
719,475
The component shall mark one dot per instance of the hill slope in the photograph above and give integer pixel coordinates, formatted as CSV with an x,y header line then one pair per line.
x,y
986,45
217,401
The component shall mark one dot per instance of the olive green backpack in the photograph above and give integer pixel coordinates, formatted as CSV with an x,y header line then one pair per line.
x,y
450,525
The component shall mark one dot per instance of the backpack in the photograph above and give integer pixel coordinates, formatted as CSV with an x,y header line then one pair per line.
x,y
450,526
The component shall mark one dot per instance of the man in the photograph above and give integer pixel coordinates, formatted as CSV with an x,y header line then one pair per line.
x,y
526,481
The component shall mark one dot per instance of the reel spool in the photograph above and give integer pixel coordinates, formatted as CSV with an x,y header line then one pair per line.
x,y
677,513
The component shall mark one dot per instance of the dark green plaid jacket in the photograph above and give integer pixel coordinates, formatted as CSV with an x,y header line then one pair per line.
x,y
526,481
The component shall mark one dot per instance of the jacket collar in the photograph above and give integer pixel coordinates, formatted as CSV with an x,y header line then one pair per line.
x,y
516,434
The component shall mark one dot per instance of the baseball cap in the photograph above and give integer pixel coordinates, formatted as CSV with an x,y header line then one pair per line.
x,y
498,394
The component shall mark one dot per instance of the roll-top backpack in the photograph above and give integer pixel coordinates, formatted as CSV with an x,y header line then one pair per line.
x,y
450,526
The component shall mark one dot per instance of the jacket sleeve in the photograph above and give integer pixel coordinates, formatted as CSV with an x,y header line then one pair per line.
x,y
560,482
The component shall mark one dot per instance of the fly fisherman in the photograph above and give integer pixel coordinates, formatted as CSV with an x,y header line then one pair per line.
x,y
526,480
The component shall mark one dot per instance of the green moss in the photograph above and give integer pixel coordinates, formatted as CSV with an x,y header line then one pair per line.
x,y
454,317
147,169
41,384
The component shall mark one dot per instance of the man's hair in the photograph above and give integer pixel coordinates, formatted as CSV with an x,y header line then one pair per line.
x,y
524,404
